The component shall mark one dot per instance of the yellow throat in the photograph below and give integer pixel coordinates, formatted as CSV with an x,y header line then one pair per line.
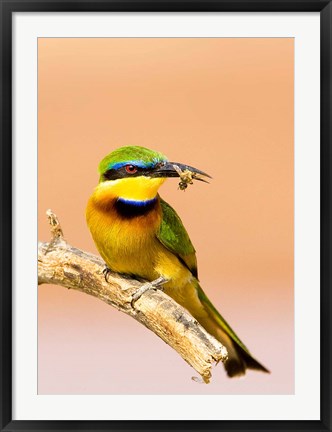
x,y
140,188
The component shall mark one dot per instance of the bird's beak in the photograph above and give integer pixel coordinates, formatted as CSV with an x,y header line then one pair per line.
x,y
174,169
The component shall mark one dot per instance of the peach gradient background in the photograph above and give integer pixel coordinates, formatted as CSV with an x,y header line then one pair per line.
x,y
222,105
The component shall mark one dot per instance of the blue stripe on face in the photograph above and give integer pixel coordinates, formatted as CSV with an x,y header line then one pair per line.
x,y
137,203
139,164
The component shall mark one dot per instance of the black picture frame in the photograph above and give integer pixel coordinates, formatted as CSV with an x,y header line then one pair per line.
x,y
7,8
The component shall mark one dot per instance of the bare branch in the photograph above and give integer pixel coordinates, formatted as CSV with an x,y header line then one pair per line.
x,y
56,229
61,264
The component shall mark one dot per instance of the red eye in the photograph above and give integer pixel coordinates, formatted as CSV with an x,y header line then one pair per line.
x,y
131,169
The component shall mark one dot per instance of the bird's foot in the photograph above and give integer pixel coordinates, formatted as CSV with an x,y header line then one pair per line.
x,y
155,284
106,272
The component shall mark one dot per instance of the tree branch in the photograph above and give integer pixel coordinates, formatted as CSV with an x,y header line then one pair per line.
x,y
61,264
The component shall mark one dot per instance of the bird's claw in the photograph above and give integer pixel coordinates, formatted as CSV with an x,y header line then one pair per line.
x,y
106,272
155,284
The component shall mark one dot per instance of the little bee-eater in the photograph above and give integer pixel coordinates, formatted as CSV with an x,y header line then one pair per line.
x,y
138,234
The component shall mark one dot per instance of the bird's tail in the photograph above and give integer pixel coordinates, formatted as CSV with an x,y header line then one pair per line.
x,y
239,357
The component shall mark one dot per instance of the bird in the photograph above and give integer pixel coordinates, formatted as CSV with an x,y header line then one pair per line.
x,y
140,235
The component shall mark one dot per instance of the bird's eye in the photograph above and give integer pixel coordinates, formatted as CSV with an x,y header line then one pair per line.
x,y
131,169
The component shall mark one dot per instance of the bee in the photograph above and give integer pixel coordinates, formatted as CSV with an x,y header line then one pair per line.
x,y
186,177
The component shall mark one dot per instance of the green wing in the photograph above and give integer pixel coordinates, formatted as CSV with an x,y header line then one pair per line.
x,y
173,235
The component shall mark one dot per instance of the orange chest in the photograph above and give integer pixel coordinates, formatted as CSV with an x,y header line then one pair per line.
x,y
119,235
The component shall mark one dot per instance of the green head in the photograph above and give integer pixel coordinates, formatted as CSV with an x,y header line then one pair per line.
x,y
135,161
119,160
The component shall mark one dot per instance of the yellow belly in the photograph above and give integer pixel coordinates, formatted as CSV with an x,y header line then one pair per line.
x,y
132,247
